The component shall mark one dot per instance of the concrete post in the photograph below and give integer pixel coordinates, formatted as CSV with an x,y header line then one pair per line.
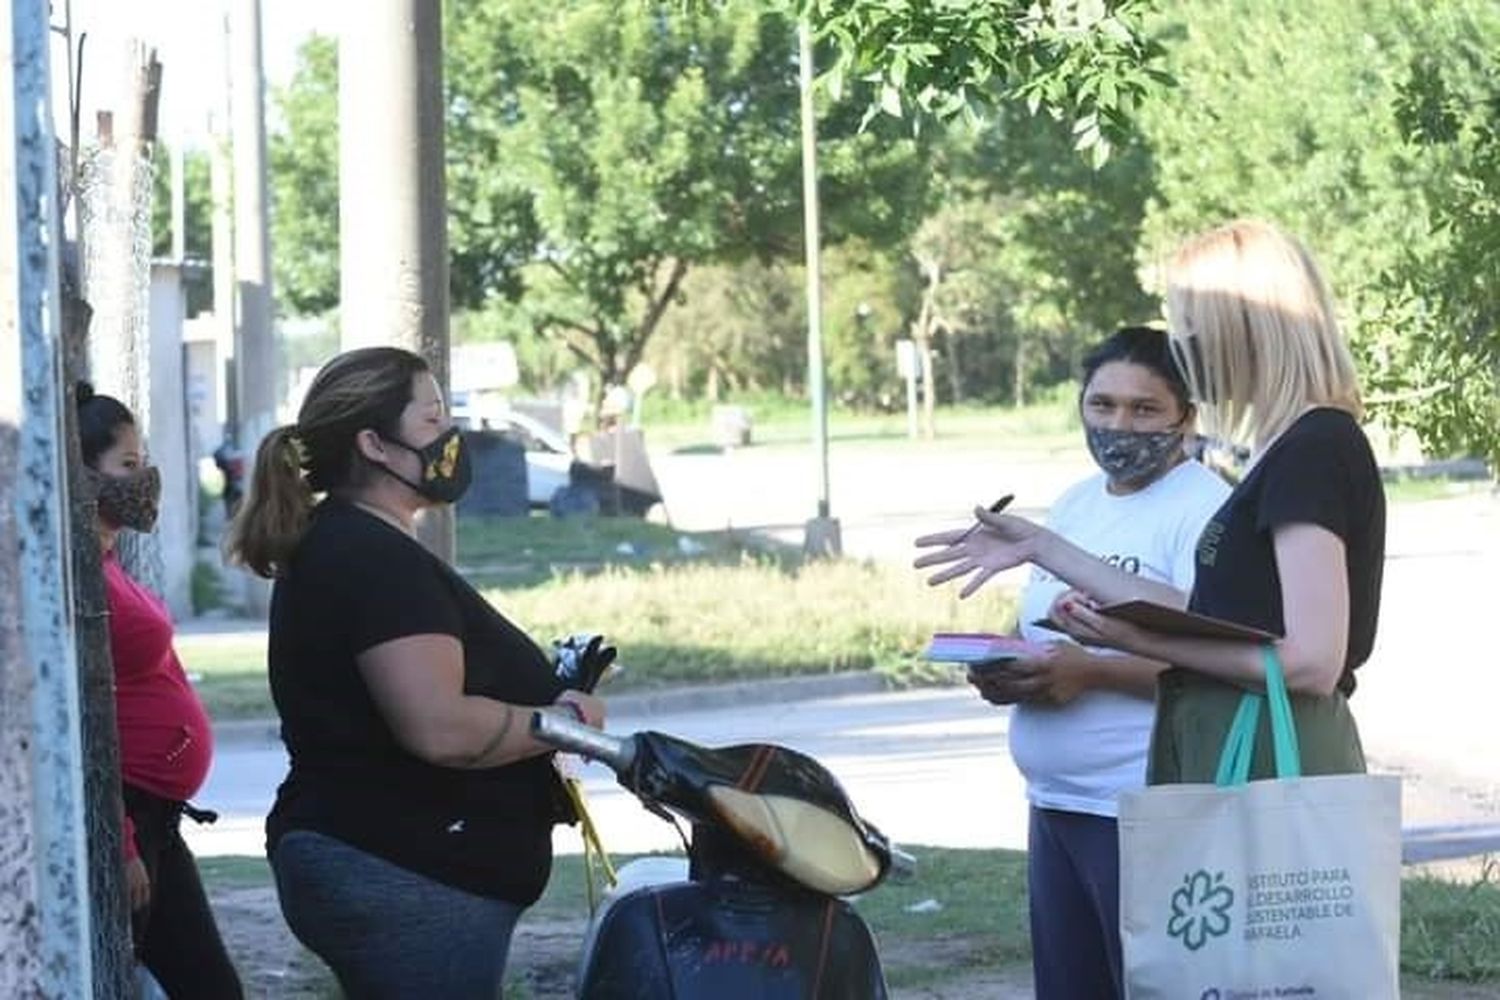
x,y
176,529
393,211
221,183
255,340
44,916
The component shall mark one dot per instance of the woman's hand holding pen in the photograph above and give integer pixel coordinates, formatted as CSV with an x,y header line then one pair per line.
x,y
996,542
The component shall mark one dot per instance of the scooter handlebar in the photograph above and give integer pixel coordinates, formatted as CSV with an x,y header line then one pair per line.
x,y
575,737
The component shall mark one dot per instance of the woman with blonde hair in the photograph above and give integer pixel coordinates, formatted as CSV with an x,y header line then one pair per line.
x,y
1298,548
415,823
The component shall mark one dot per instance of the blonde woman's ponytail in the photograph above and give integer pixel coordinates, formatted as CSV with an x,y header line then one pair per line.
x,y
275,511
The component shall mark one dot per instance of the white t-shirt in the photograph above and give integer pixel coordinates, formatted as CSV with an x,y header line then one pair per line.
x,y
1080,756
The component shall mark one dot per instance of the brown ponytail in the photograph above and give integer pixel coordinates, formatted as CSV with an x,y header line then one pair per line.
x,y
274,513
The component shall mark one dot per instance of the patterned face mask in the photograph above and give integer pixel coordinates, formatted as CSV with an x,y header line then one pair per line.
x,y
129,501
1133,458
445,467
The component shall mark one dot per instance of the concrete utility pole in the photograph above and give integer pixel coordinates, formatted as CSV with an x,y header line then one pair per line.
x,y
255,341
221,184
393,211
44,915
821,536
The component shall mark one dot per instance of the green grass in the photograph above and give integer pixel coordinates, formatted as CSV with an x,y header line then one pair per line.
x,y
1450,931
522,551
236,871
753,619
229,672
1410,489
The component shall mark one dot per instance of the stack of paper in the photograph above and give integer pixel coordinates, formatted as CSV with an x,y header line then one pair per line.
x,y
977,647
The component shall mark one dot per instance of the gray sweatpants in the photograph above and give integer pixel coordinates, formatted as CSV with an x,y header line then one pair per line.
x,y
387,932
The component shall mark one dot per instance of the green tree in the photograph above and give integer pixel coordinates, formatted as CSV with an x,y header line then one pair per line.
x,y
636,148
1087,62
197,203
1305,120
737,328
304,181
1029,257
1433,355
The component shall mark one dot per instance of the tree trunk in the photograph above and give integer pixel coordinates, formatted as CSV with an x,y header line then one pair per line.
x,y
1018,381
922,336
955,371
635,347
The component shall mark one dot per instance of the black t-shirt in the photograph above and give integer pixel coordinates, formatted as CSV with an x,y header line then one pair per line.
x,y
1320,471
354,582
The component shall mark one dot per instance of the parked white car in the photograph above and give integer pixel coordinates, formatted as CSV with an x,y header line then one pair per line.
x,y
548,453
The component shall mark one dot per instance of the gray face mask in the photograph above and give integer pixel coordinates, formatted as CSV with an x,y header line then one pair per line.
x,y
1133,458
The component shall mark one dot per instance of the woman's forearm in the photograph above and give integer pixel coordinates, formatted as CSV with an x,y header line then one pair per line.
x,y
1106,584
481,733
1234,662
1126,674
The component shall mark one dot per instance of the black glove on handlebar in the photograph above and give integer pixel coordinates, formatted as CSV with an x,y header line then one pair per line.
x,y
582,659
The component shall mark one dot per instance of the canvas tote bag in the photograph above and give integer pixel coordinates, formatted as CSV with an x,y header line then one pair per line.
x,y
1245,890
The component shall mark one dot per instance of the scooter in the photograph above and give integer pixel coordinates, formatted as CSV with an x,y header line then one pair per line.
x,y
759,913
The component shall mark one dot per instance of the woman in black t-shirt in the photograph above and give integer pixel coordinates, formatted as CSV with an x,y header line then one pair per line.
x,y
1298,547
414,825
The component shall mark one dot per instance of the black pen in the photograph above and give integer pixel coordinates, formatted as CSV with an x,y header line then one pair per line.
x,y
995,508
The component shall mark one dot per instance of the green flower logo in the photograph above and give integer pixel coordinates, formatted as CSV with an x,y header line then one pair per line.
x,y
1200,909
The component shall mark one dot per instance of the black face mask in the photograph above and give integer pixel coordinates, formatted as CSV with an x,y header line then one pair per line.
x,y
1133,458
445,467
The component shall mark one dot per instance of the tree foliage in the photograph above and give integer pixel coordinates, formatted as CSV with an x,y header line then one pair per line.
x,y
1330,119
197,203
626,151
1088,62
1434,357
304,182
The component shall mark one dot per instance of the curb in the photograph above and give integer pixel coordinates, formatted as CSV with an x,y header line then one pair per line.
x,y
648,704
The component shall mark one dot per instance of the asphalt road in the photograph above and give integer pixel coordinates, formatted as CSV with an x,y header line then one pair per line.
x,y
929,767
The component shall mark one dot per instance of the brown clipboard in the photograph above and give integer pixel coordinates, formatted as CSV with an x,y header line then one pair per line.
x,y
1174,621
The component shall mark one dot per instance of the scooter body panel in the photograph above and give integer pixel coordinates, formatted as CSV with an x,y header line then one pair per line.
x,y
726,939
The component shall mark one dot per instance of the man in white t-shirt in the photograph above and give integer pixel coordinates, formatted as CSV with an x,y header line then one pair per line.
x,y
1082,718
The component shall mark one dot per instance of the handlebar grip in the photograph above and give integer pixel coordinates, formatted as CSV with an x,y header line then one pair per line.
x,y
575,737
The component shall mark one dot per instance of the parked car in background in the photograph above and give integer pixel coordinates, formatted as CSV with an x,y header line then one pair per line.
x,y
549,456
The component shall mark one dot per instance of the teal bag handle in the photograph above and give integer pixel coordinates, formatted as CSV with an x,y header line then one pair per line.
x,y
1239,745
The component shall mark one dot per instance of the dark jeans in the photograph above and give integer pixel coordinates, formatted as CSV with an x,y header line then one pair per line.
x,y
387,932
1073,862
175,935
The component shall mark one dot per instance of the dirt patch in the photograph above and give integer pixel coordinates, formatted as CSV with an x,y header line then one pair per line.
x,y
544,956
272,965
